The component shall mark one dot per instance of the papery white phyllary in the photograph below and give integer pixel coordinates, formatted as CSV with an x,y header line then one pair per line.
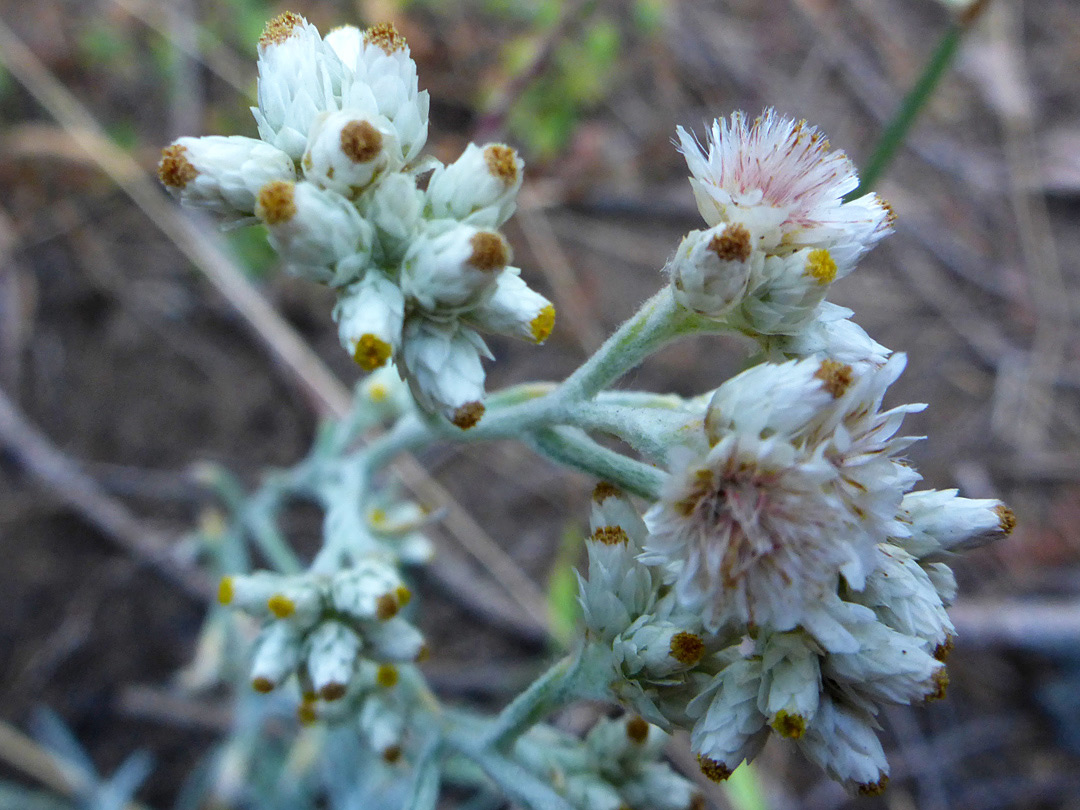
x,y
479,188
778,179
370,314
711,269
223,174
300,77
441,363
514,309
796,490
450,266
318,232
349,150
381,75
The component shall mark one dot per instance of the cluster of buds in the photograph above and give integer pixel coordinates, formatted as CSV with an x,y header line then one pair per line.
x,y
618,765
780,232
787,580
419,273
342,636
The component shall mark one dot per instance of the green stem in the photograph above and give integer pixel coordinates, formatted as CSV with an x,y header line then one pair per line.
x,y
659,321
547,693
573,448
896,132
650,431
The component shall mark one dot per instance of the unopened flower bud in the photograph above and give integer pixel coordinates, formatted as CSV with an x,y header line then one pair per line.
x,y
479,188
369,590
941,521
658,648
785,295
842,741
251,592
277,655
711,270
299,78
369,316
730,728
442,365
331,661
452,268
318,232
383,726
349,150
514,309
297,600
381,75
223,174
790,683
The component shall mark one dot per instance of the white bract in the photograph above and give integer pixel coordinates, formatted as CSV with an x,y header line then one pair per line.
x,y
480,187
369,315
299,78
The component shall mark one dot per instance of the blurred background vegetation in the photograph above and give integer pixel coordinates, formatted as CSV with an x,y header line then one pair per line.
x,y
136,344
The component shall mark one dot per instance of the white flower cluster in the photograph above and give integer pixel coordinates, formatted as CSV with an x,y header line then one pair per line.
x,y
340,635
618,766
787,578
779,234
334,179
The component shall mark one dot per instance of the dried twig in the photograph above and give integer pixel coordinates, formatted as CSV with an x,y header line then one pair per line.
x,y
1050,294
1025,623
62,477
27,757
569,296
193,40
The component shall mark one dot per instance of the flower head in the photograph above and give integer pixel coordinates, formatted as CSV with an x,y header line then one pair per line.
x,y
777,178
796,490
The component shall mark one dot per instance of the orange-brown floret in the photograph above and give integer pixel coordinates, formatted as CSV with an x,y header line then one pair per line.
x,y
175,170
385,36
360,141
502,162
610,535
686,648
836,377
280,28
489,252
276,204
468,415
733,245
